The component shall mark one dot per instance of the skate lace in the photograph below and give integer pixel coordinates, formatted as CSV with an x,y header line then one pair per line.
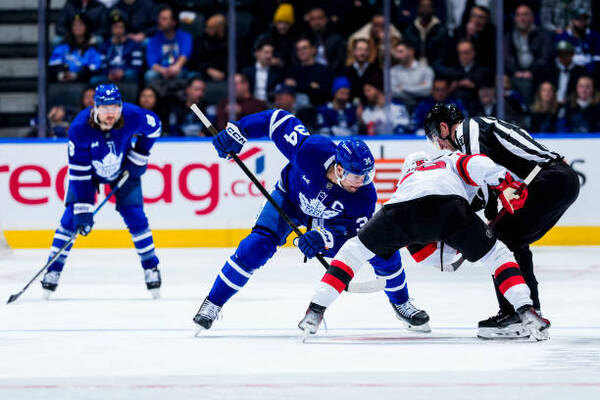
x,y
210,310
407,309
52,277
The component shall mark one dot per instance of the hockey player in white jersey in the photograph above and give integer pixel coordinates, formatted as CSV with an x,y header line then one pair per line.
x,y
431,204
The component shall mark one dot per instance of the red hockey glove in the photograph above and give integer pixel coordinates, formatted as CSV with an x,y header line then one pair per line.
x,y
512,193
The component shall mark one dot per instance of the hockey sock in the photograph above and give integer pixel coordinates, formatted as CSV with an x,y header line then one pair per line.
x,y
395,286
334,281
61,236
511,284
144,246
230,280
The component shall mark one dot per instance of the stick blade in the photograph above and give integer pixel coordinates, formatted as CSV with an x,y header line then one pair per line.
x,y
13,297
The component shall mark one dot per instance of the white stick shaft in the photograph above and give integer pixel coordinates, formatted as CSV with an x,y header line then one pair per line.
x,y
200,115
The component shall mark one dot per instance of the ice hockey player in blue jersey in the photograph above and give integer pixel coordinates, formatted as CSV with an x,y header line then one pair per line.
x,y
104,141
325,187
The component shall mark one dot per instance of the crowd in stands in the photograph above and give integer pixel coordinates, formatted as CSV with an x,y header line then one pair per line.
x,y
322,60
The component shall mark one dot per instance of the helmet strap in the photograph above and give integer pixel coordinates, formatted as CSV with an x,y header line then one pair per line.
x,y
338,178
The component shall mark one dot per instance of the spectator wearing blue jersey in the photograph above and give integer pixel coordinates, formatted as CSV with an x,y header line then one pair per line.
x,y
168,50
77,59
585,40
373,116
338,117
122,57
440,93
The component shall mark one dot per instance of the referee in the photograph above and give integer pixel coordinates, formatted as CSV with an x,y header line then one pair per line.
x,y
551,192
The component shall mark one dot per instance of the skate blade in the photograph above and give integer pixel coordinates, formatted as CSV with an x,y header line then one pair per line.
x,y
425,328
502,334
155,293
537,332
46,294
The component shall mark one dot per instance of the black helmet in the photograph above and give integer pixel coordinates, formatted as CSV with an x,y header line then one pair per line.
x,y
439,113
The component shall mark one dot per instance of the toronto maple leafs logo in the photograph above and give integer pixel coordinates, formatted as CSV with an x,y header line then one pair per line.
x,y
315,208
110,165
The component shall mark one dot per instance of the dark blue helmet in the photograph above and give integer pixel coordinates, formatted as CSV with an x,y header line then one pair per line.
x,y
107,94
356,158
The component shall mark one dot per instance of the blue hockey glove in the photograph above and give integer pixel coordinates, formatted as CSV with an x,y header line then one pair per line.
x,y
136,163
315,241
82,219
229,140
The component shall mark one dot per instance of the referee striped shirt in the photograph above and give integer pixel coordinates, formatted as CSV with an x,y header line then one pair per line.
x,y
505,143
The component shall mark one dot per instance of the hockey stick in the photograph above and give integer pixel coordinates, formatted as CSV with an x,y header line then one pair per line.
x,y
119,184
359,287
456,264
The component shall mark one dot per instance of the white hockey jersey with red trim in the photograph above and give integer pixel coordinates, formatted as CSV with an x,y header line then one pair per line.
x,y
450,174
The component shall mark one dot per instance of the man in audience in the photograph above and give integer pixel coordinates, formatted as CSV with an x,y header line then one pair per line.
x,y
440,93
263,75
563,73
410,79
139,16
338,117
479,29
373,32
359,69
122,57
210,50
182,121
374,116
246,104
330,45
585,41
168,50
309,77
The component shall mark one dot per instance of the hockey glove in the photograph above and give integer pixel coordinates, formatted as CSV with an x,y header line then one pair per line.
x,y
512,193
315,241
229,140
136,163
83,221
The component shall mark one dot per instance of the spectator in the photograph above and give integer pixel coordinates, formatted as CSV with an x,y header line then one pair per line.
x,y
283,34
360,68
410,79
330,45
427,35
468,75
309,78
527,50
57,123
555,14
263,75
122,57
285,98
149,99
373,117
210,49
544,109
338,117
87,98
139,16
168,50
440,93
182,121
246,104
77,59
563,73
585,40
482,33
93,10
513,112
374,33
583,109
455,10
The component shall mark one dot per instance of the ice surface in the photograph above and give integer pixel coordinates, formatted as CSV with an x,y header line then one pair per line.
x,y
101,336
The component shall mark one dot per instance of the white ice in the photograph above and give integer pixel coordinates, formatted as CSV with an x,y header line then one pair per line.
x,y
101,336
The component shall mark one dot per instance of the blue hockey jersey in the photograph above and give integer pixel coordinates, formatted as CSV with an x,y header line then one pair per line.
x,y
304,178
97,156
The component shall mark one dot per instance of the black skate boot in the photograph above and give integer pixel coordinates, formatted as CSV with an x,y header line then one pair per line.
x,y
312,319
533,322
153,281
504,325
207,314
49,283
415,319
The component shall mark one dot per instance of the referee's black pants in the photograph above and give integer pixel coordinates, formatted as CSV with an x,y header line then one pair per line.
x,y
551,193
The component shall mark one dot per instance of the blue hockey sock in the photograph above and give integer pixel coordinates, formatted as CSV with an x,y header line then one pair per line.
x,y
396,288
61,236
144,246
230,280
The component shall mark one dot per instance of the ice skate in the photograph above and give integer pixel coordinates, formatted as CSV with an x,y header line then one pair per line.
x,y
153,281
49,283
533,322
415,319
312,319
502,326
207,314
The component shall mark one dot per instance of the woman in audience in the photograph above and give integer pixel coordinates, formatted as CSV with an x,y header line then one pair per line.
x,y
583,109
544,109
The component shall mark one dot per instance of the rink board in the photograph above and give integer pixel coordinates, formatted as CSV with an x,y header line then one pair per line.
x,y
195,199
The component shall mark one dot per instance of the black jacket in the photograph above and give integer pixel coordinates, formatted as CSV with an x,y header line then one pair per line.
x,y
540,44
274,76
